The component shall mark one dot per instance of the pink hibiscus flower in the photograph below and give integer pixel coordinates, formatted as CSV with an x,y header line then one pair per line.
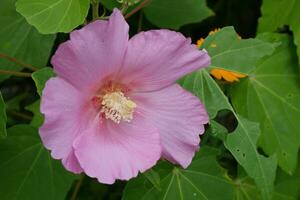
x,y
114,108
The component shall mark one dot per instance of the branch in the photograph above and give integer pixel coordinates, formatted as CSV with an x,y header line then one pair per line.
x,y
139,7
24,65
15,73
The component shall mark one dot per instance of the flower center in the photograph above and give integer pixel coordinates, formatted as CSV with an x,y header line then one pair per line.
x,y
117,107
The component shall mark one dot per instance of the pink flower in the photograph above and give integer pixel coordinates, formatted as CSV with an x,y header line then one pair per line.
x,y
114,108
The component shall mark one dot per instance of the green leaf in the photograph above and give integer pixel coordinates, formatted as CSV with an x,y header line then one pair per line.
x,y
111,4
217,130
53,16
242,144
287,187
245,188
40,78
203,179
14,103
203,85
38,118
20,40
27,170
271,96
228,51
3,118
276,14
175,13
153,177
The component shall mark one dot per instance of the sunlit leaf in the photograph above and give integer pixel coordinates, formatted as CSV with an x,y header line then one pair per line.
x,y
203,85
27,170
52,16
271,96
228,51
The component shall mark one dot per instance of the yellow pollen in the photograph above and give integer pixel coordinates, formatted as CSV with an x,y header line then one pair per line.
x,y
117,107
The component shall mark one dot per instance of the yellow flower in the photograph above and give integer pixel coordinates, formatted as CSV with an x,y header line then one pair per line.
x,y
214,31
219,74
226,75
200,42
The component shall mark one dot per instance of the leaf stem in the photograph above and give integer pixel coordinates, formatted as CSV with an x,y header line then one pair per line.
x,y
139,7
140,23
15,73
95,8
77,187
24,65
18,114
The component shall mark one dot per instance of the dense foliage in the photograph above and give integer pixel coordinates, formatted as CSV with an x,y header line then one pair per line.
x,y
250,147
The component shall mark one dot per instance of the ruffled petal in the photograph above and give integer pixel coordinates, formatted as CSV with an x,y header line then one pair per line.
x,y
94,52
65,117
179,117
110,151
156,59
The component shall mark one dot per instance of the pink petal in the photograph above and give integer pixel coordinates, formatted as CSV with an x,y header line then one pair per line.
x,y
110,151
156,59
65,117
179,117
94,52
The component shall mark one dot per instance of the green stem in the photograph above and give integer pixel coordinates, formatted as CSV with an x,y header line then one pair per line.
x,y
24,65
18,114
95,8
140,23
15,73
77,187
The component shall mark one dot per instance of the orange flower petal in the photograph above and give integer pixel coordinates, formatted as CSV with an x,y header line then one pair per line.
x,y
214,31
238,75
200,42
216,73
228,76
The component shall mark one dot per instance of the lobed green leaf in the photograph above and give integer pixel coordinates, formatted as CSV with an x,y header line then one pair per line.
x,y
175,13
271,96
229,52
203,85
20,40
276,14
27,170
53,16
204,179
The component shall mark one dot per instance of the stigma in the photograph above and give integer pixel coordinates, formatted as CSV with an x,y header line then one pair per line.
x,y
117,107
